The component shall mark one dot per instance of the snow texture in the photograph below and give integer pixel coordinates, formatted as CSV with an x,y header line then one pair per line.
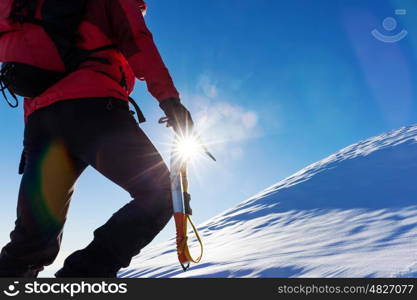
x,y
353,214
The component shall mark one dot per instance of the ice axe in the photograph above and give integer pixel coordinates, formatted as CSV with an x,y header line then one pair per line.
x,y
181,204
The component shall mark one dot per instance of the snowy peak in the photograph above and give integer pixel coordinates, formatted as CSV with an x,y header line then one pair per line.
x,y
377,172
352,214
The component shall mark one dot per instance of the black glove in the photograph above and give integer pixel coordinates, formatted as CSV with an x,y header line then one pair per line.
x,y
178,116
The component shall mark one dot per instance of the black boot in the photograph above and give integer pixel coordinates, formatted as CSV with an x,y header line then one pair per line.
x,y
13,268
92,261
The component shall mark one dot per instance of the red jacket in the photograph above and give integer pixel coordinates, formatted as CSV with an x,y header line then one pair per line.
x,y
118,22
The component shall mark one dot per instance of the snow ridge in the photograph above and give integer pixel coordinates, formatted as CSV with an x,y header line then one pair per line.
x,y
352,214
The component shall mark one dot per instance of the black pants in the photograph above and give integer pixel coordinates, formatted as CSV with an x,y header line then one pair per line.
x,y
60,141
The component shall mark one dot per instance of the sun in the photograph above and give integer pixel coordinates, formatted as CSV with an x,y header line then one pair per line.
x,y
187,148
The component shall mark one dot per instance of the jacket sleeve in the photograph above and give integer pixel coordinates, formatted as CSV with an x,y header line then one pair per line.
x,y
135,41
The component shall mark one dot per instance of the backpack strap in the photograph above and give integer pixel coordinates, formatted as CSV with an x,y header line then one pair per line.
x,y
3,86
23,10
60,20
139,113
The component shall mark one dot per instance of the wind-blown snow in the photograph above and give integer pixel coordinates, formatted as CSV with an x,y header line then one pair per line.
x,y
353,214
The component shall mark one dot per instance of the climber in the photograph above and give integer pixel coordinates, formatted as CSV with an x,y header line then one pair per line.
x,y
75,63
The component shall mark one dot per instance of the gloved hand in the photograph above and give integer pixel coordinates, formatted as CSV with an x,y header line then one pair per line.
x,y
178,116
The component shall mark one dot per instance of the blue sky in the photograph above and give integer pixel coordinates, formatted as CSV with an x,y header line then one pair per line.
x,y
281,83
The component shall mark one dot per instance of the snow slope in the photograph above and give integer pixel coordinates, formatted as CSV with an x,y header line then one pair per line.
x,y
353,214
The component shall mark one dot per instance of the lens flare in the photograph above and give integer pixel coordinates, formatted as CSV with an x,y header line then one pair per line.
x,y
188,148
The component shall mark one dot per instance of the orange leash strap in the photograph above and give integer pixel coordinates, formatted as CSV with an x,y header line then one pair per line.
x,y
181,224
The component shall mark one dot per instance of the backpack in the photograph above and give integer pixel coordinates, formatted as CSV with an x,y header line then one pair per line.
x,y
60,20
